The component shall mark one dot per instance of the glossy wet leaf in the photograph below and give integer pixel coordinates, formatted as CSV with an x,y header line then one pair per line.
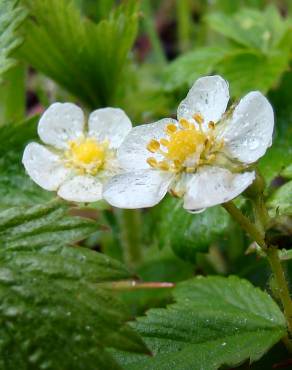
x,y
215,321
55,305
38,226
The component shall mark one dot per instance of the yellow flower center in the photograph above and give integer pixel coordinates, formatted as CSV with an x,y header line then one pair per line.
x,y
185,147
87,155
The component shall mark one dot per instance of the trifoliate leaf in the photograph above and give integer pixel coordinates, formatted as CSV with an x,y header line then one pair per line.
x,y
84,57
215,321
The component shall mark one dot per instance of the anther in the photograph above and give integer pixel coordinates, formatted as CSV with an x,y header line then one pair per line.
x,y
198,118
184,123
170,129
163,165
153,146
152,162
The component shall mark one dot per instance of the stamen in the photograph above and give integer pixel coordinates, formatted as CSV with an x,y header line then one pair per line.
x,y
152,162
153,146
164,142
163,165
198,118
170,129
184,123
211,125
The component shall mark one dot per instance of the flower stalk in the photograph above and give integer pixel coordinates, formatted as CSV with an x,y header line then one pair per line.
x,y
130,223
281,282
245,224
257,233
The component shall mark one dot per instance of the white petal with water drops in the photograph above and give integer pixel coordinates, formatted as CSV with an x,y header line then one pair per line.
x,y
208,96
81,189
213,185
249,131
44,167
60,123
133,152
109,123
139,189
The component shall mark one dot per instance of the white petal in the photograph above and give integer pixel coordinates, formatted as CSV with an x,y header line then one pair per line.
x,y
213,185
137,189
60,123
208,96
133,152
81,189
109,123
249,132
44,167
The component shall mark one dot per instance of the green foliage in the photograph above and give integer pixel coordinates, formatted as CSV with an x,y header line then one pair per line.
x,y
88,58
16,188
255,54
287,172
281,200
215,321
42,225
53,297
11,16
187,233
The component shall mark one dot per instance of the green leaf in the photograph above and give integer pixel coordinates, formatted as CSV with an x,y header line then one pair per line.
x,y
188,233
57,308
85,58
251,28
16,188
192,65
11,16
247,70
254,55
280,202
42,225
287,172
215,321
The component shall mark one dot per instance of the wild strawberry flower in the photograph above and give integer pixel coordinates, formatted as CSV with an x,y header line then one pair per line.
x,y
78,158
204,156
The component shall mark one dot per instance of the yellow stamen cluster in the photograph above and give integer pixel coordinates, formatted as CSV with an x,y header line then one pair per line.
x,y
185,147
86,155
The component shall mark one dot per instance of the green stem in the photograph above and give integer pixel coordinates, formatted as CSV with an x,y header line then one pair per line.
x,y
245,224
281,282
184,24
136,285
149,25
130,223
257,233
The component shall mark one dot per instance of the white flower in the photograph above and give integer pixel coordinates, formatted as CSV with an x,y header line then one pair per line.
x,y
203,157
78,158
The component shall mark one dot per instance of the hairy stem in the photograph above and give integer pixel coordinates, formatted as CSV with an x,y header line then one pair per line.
x,y
130,223
281,282
257,233
245,224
